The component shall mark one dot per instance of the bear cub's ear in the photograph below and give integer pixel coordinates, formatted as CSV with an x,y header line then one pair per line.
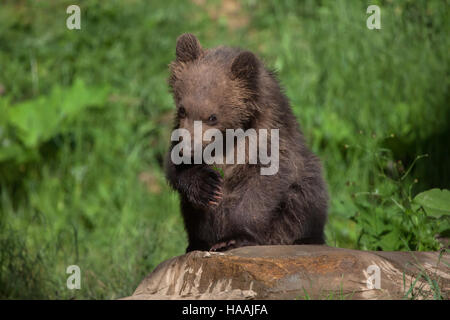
x,y
245,67
188,48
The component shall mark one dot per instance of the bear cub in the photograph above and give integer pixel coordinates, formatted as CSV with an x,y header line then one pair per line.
x,y
228,88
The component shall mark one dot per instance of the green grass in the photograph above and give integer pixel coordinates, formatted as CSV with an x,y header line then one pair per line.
x,y
85,118
338,294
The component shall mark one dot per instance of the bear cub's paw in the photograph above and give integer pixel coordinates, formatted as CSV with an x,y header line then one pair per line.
x,y
232,244
206,190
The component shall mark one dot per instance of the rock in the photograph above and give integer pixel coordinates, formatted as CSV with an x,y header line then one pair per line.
x,y
297,272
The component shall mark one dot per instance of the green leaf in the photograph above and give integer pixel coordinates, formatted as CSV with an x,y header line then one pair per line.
x,y
219,170
436,202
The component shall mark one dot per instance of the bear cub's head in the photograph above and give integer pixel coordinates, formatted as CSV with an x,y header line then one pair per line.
x,y
216,86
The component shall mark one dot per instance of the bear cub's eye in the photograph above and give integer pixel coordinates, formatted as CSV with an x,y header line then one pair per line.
x,y
181,112
212,119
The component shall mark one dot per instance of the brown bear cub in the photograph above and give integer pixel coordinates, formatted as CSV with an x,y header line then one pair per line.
x,y
228,88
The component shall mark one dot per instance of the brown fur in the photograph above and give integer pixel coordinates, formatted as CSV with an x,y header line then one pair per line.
x,y
244,207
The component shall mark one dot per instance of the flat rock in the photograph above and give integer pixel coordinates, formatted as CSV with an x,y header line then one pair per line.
x,y
299,272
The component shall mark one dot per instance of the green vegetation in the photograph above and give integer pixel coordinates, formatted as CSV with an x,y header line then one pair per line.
x,y
427,284
85,120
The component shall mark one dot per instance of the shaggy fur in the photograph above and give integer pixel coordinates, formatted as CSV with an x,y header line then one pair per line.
x,y
244,207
